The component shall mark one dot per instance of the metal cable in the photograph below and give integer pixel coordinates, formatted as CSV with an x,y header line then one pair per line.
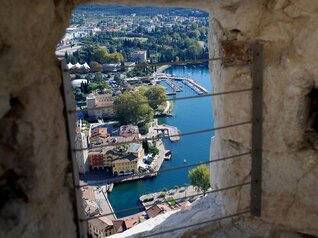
x,y
151,174
184,197
195,224
168,99
159,137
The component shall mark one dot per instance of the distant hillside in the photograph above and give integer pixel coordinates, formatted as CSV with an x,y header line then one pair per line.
x,y
142,11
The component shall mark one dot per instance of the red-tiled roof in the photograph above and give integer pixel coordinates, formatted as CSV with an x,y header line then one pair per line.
x,y
154,211
119,226
131,223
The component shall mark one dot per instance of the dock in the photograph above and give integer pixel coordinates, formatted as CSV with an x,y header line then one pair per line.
x,y
170,94
164,115
173,85
169,131
195,86
191,83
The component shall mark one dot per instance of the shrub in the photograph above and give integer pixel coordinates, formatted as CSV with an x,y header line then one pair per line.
x,y
148,200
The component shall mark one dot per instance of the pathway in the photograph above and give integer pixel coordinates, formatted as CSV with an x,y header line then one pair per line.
x,y
178,194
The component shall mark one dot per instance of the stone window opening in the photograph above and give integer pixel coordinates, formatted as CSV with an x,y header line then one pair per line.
x,y
236,50
312,118
126,168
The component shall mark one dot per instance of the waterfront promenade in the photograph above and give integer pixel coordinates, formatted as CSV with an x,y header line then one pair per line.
x,y
103,202
162,68
177,194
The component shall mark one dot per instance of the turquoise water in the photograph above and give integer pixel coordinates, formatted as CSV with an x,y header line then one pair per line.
x,y
190,115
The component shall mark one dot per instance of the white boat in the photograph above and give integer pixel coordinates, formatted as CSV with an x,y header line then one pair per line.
x,y
184,161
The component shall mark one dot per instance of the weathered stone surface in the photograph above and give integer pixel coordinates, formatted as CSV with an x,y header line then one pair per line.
x,y
35,198
289,164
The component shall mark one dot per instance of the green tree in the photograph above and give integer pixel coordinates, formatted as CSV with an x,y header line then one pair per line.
x,y
143,128
153,150
131,108
156,96
71,58
98,77
142,90
100,55
200,178
92,87
145,146
88,77
117,79
95,66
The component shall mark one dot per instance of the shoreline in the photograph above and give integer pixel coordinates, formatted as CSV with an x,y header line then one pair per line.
x,y
162,68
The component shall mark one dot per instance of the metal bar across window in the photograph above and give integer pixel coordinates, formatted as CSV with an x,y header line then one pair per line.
x,y
184,197
169,99
158,137
256,60
150,174
193,61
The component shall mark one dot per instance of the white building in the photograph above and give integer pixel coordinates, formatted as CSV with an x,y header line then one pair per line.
x,y
81,156
100,100
139,56
76,83
74,32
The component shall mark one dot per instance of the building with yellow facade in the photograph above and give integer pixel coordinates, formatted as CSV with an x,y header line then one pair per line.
x,y
127,162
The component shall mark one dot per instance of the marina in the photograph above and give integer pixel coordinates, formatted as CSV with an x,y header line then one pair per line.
x,y
190,115
169,79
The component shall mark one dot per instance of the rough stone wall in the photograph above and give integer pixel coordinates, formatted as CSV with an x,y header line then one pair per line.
x,y
35,192
34,185
288,32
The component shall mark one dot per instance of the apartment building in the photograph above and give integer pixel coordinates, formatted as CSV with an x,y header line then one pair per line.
x,y
103,101
100,227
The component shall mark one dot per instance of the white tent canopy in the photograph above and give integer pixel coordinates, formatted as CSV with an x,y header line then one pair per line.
x,y
78,66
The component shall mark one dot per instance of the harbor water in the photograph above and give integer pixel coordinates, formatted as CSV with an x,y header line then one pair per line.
x,y
189,115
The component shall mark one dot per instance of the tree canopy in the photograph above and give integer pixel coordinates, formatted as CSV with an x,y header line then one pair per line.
x,y
163,44
102,56
153,150
200,178
156,96
132,109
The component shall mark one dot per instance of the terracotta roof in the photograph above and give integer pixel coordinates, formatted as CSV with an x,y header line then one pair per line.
x,y
99,224
119,226
99,131
154,211
130,223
